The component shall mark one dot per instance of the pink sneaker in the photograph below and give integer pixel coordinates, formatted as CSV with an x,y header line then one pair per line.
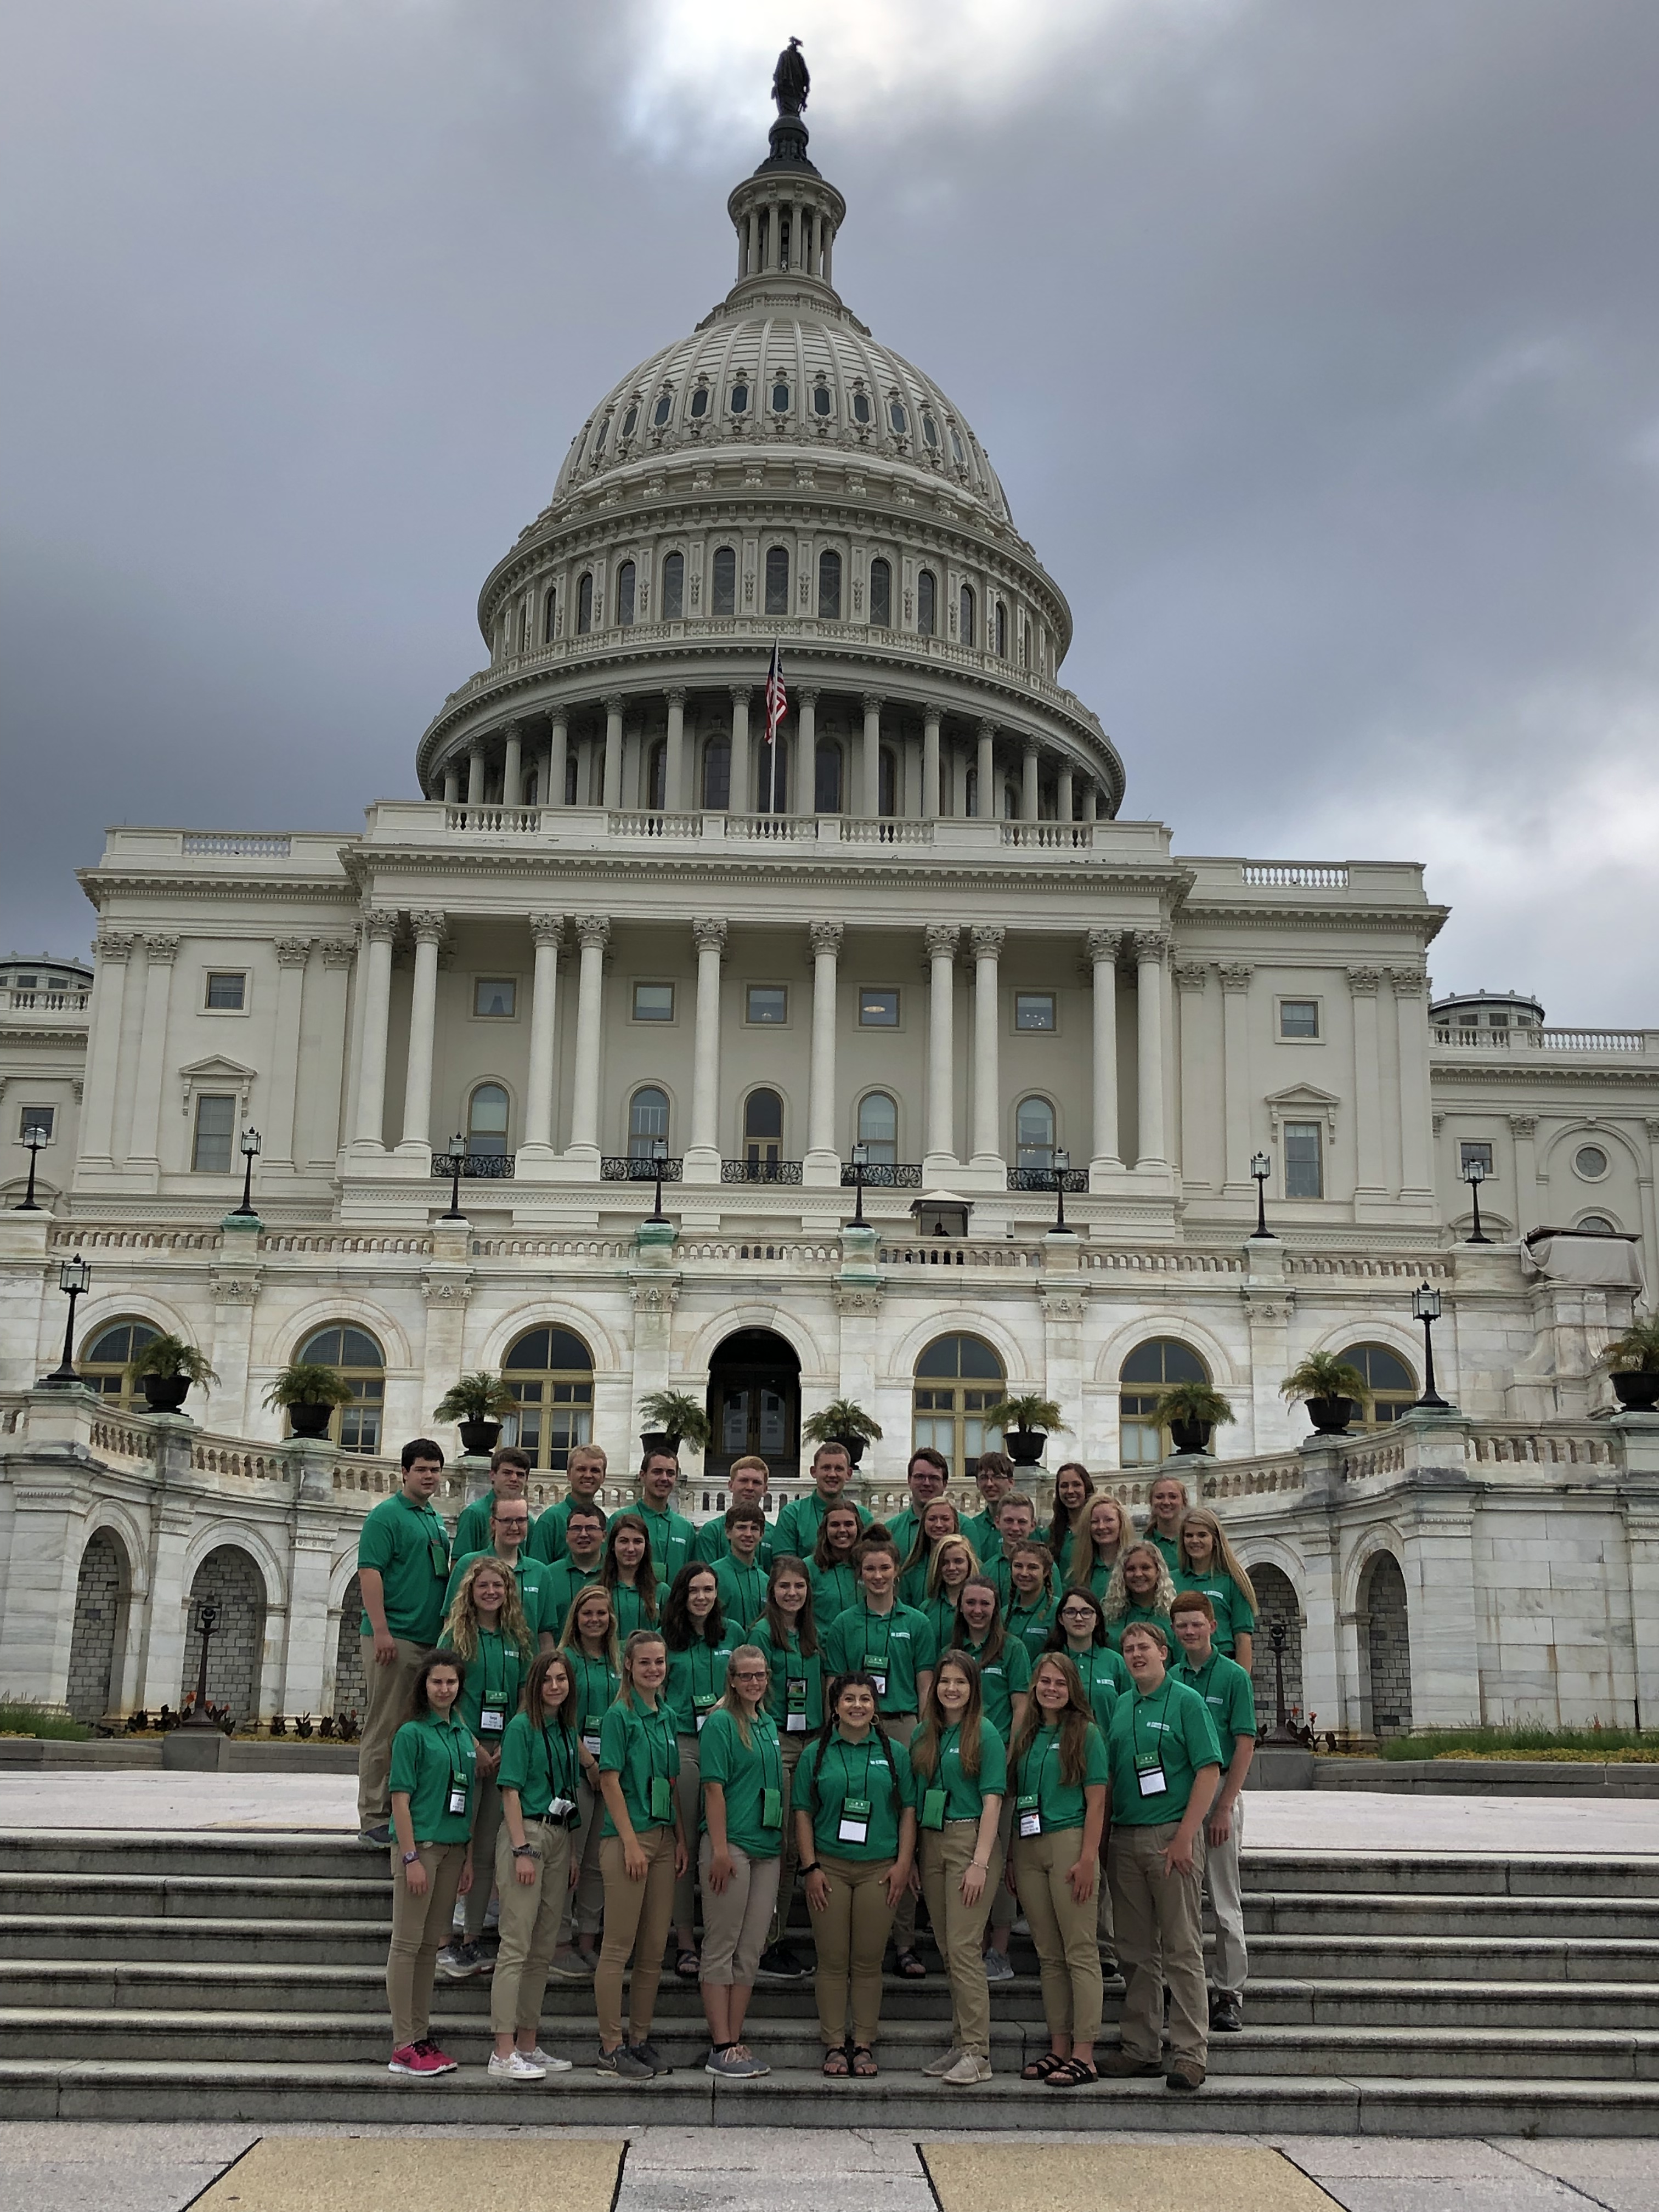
x,y
423,2058
437,2062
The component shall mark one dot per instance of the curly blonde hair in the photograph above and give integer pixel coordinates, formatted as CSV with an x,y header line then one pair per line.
x,y
1117,1600
461,1623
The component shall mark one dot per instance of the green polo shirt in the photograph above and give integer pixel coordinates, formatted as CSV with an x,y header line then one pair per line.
x,y
1149,1613
1105,1678
427,1755
998,1571
941,1616
1099,1578
1233,1616
1029,1624
1171,1728
472,1529
540,1763
494,1677
1229,1699
912,1585
834,1589
964,1793
1061,1803
800,1520
1001,1680
531,1578
713,1544
899,1644
639,1747
743,1591
562,1583
697,1678
744,1772
597,1683
547,1531
799,1714
672,1539
1168,1546
409,1544
875,1771
629,1602
982,1533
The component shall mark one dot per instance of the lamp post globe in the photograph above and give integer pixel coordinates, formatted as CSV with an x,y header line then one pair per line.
x,y
1062,1168
860,1161
658,1158
251,1146
456,1161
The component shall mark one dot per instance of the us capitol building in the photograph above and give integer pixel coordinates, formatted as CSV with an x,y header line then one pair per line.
x,y
616,921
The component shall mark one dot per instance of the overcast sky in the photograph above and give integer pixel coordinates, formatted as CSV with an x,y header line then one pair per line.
x,y
1316,343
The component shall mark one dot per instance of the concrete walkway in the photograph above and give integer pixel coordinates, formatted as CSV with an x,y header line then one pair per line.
x,y
89,2167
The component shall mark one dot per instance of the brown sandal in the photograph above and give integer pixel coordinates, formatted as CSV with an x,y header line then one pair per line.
x,y
836,2061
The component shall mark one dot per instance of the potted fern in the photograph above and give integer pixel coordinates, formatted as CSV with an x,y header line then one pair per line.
x,y
673,1418
1631,1362
1194,1412
843,1421
477,1405
1024,1421
1334,1390
307,1393
165,1369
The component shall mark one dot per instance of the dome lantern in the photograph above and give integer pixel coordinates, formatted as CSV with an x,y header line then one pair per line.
x,y
785,214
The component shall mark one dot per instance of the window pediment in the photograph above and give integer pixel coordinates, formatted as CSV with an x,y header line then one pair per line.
x,y
218,1071
1302,1102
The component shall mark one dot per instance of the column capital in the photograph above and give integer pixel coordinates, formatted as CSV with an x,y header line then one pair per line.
x,y
548,928
931,717
292,951
429,926
559,717
1408,983
115,945
378,925
1365,983
676,696
1235,974
872,702
943,938
1152,947
987,730
161,952
741,694
337,951
1523,1125
513,729
1030,746
708,933
592,930
1192,974
1103,944
824,936
986,938
808,694
614,701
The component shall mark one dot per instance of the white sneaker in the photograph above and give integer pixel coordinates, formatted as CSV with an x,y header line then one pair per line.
x,y
519,2065
968,2072
943,2064
548,2065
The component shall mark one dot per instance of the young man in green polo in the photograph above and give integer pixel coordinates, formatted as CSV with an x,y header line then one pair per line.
x,y
672,1536
402,1571
993,1474
579,1566
747,1482
800,1520
584,1474
1227,1693
928,1473
510,1477
740,1574
509,1529
1016,1519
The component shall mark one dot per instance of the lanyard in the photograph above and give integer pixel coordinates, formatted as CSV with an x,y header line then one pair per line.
x,y
495,1693
564,1784
710,1655
767,1731
887,1633
587,1666
1163,1714
847,1773
1050,1751
455,1748
652,1729
1201,1682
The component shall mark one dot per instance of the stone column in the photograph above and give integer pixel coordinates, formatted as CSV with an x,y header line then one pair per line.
x,y
307,1655
321,1123
1416,1108
594,935
452,785
558,745
742,797
547,930
1152,949
475,776
941,1159
1236,1076
1442,1612
282,1110
1362,983
1195,1135
1091,801
160,953
823,1153
104,1047
613,752
161,1661
703,1153
989,1154
513,769
806,752
380,926
429,930
1523,1132
1648,1189
1028,779
673,771
1102,946
987,808
930,778
1065,806
870,796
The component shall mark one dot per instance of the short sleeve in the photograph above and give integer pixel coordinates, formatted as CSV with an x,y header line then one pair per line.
x,y
1241,1707
376,1546
1243,1617
614,1732
834,1662
515,1771
1096,1765
903,1774
993,1762
406,1759
715,1748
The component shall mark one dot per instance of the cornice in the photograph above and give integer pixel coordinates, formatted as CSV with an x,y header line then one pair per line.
x,y
100,884
1585,1074
1425,922
13,1035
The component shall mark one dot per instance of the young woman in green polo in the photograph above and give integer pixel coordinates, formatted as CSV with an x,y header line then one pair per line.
x,y
1140,1589
1210,1565
1058,1772
958,1768
1080,1631
834,1564
1167,1503
535,1864
855,1829
486,1627
952,1562
1005,1681
739,1855
589,1643
1027,1612
642,1852
938,1520
434,1787
627,1572
1098,1550
1073,1487
699,1652
786,1635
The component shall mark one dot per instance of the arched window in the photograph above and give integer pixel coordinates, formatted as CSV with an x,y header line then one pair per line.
x,y
1025,646
927,596
1391,1383
881,595
1010,802
1002,631
822,401
1596,1224
878,1126
625,594
648,1120
699,403
551,618
762,1128
741,398
967,614
662,411
956,1378
777,581
1145,1375
717,774
357,1359
486,1122
781,392
103,1363
830,588
550,1373
725,580
585,604
826,788
888,796
673,587
533,785
1034,1133
630,421
861,408
656,777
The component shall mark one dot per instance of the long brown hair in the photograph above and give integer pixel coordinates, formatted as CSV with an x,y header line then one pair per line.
x,y
540,1667
570,1638
935,1577
645,1574
921,1550
925,1744
996,1636
419,1706
1075,1723
679,1630
461,1623
1059,1525
806,1623
823,1558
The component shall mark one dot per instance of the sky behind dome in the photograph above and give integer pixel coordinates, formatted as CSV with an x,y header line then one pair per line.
x,y
1317,350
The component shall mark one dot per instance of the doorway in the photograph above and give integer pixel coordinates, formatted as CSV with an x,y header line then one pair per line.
x,y
754,1403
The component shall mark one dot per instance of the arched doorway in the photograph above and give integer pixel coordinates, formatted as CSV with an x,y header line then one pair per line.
x,y
1385,1646
1276,1601
101,1590
350,1692
754,1403
236,1656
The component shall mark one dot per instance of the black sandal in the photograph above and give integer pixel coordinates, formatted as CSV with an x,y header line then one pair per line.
x,y
906,1964
1041,2069
836,2061
688,1966
1072,2074
864,2062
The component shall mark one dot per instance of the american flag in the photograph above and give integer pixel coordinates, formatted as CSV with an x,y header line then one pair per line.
x,y
777,699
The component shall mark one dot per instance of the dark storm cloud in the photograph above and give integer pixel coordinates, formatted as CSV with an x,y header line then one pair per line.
x,y
1317,348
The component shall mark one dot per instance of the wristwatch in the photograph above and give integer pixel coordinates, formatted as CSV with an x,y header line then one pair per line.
x,y
410,1857
523,1850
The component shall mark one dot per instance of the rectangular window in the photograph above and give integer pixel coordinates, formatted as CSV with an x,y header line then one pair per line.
x,y
495,998
879,1010
1034,1009
216,1128
1468,1021
1298,1017
227,991
653,1002
37,1118
1465,1152
1304,1173
767,1004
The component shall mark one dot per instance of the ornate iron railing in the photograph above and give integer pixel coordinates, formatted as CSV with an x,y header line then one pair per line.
x,y
1046,1179
620,1168
488,1167
884,1175
760,1170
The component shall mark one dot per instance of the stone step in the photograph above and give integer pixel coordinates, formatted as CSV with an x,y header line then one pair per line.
x,y
192,1896
324,1854
104,2089
1631,1878
1314,1912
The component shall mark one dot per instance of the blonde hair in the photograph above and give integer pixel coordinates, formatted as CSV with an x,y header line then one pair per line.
x,y
955,1542
1082,1553
731,1702
754,1460
1199,1517
630,1652
461,1624
1117,1600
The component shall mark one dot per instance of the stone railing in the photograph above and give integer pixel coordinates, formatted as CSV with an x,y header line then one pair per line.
x,y
17,1001
1424,1265
1294,875
960,1252
95,1237
1159,1261
236,845
1546,1039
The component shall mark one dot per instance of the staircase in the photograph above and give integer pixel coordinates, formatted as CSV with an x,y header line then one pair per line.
x,y
240,1977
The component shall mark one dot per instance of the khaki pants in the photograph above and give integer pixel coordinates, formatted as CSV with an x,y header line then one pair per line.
x,y
386,1704
735,1920
1068,1951
1160,1941
530,1924
420,1926
1222,1879
851,1935
959,1929
901,1727
587,1900
486,1829
637,1918
790,1748
690,1795
1003,1910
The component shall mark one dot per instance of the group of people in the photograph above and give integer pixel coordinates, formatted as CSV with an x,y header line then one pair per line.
x,y
608,1730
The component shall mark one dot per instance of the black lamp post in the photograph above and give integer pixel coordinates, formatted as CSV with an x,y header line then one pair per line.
x,y
1281,1731
860,1161
250,1149
1062,1168
658,1156
1261,1166
35,1136
1475,1174
1425,1304
456,1161
207,1620
73,1277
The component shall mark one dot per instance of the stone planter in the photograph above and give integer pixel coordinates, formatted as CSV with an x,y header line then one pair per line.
x,y
164,1394
1331,1416
1637,1391
1191,1436
478,1438
309,1419
1025,1446
852,1446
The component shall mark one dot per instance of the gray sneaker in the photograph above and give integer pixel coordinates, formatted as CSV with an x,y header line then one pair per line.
x,y
997,1968
624,2062
652,2058
456,1961
734,2064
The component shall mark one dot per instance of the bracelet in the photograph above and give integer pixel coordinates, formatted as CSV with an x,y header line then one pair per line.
x,y
811,1869
523,1850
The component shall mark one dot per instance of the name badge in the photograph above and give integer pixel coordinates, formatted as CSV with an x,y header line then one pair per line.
x,y
932,1808
703,1704
771,1808
1151,1781
439,1549
853,1826
662,1798
457,1796
591,1740
1029,1809
878,1675
492,1719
